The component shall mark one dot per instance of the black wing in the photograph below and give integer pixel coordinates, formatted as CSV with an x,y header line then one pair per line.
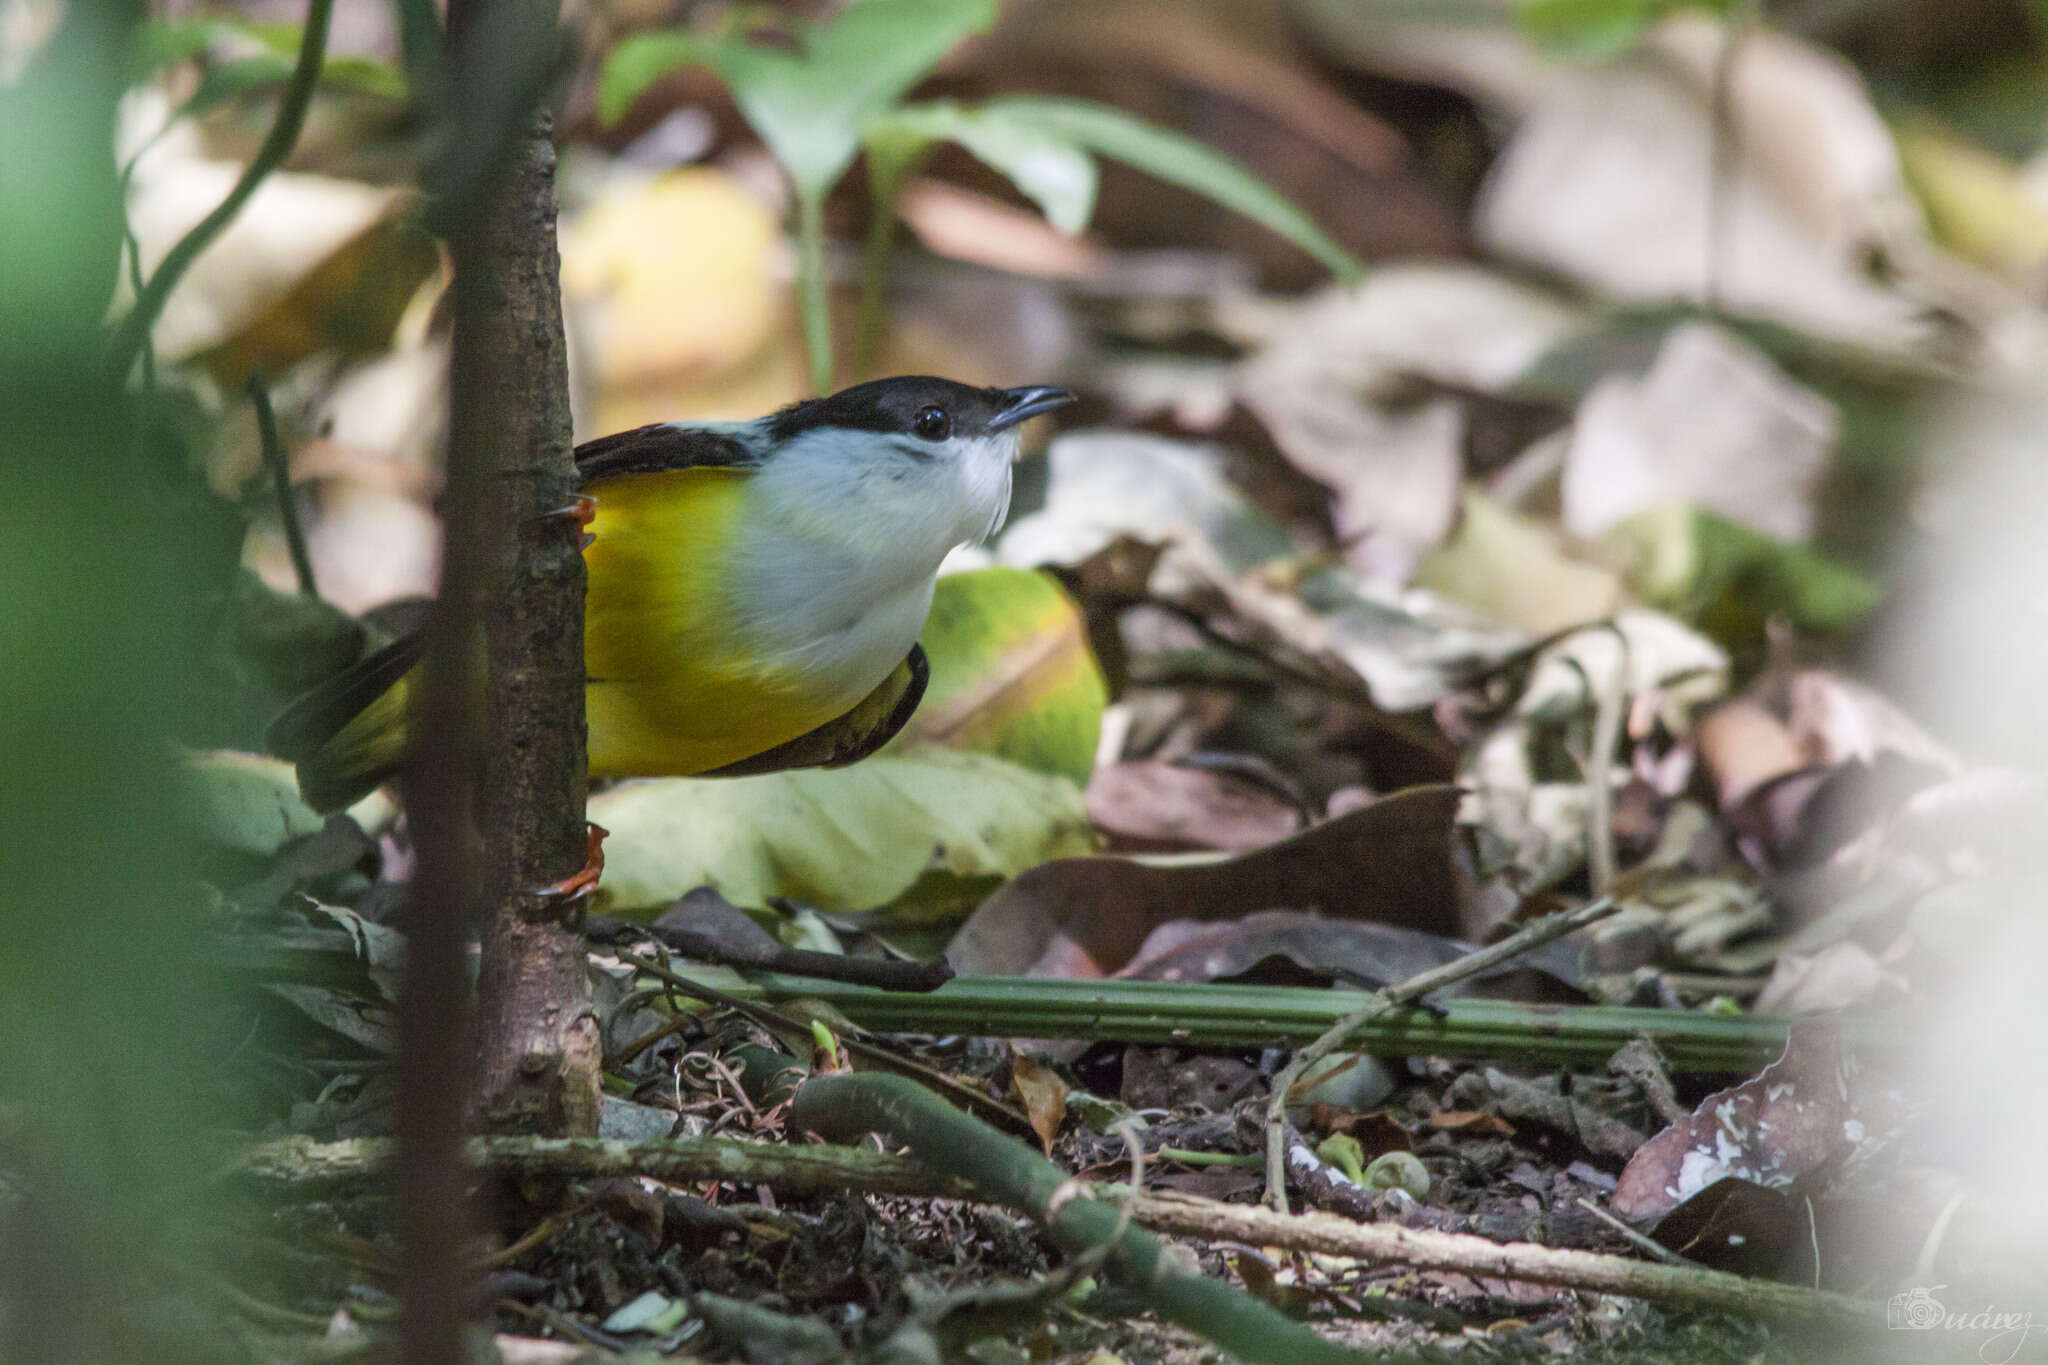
x,y
851,737
319,715
662,446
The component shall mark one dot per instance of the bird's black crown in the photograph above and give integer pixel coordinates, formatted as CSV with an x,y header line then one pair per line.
x,y
904,405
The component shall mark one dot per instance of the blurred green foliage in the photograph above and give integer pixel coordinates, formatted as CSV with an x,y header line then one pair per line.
x,y
103,1006
832,90
1601,28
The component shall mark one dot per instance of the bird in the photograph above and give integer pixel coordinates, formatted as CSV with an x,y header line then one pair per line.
x,y
754,593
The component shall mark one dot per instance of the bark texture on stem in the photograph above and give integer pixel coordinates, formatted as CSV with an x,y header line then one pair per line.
x,y
501,729
537,1044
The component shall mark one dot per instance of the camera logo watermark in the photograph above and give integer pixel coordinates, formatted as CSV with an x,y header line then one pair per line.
x,y
1918,1310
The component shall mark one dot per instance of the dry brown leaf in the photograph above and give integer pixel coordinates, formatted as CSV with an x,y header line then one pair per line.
x,y
1837,977
1086,917
1283,946
1786,1124
965,226
1230,74
1333,382
292,229
1744,746
1744,1228
1470,1121
1042,1095
1516,572
1223,555
1606,181
1148,806
1714,425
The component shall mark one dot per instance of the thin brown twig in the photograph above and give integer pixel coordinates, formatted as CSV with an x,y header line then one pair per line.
x,y
545,1230
1647,1245
1414,988
878,1058
1526,1262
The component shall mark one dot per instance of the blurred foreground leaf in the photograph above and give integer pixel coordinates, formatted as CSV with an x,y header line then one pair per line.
x,y
105,1014
1590,28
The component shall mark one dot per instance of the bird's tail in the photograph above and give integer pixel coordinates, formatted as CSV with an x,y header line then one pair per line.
x,y
349,734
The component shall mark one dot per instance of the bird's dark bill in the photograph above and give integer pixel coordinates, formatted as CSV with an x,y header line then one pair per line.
x,y
1021,405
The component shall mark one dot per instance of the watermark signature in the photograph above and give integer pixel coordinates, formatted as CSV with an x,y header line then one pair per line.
x,y
1918,1310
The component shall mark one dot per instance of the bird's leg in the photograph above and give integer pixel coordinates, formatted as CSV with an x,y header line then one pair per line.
x,y
584,880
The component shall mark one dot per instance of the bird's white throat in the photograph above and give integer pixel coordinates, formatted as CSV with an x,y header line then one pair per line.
x,y
832,577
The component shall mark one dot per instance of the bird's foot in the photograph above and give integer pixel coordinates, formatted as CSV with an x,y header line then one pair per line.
x,y
584,880
582,511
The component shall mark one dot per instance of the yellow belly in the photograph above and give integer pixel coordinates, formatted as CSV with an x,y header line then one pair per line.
x,y
672,691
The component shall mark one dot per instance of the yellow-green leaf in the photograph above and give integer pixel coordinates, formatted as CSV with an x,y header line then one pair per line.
x,y
1012,674
1516,571
936,830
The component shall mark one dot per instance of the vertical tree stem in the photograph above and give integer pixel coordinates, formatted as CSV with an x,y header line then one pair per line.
x,y
812,295
512,768
537,1047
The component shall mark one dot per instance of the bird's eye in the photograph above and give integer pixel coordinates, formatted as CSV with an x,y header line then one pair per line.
x,y
932,424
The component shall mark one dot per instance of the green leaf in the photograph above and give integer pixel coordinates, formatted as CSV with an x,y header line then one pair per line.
x,y
167,42
365,75
934,829
1052,172
1180,161
809,107
638,63
245,803
1731,581
810,111
1588,28
1012,674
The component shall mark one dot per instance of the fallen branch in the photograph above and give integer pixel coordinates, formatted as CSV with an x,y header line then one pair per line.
x,y
303,1165
1591,1271
301,1162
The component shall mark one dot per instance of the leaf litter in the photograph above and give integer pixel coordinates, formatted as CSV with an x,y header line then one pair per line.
x,y
1340,635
